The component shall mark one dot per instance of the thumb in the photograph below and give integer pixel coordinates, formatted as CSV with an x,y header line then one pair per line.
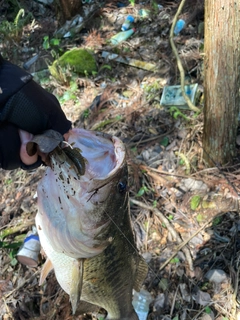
x,y
25,137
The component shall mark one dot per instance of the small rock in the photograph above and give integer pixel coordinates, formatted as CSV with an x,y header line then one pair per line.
x,y
216,275
208,316
147,256
157,149
193,185
146,155
154,155
202,298
139,157
182,134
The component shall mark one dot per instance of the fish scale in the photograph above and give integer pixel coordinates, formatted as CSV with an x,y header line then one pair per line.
x,y
114,282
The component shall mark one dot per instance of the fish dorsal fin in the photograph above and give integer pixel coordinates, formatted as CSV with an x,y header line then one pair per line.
x,y
141,273
47,267
76,283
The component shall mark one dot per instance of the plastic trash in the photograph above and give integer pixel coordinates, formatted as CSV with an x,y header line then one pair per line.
x,y
131,62
144,13
29,251
122,36
141,301
179,26
127,23
31,61
172,95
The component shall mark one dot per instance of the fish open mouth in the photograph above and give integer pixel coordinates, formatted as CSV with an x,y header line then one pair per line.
x,y
104,156
71,208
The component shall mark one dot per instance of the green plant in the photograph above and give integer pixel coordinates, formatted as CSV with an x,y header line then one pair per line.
x,y
195,201
11,29
132,2
152,89
12,249
105,66
47,43
154,6
176,113
70,94
164,142
86,113
217,221
54,45
174,260
208,310
141,191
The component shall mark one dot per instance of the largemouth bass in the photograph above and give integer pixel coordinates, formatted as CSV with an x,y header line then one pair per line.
x,y
84,224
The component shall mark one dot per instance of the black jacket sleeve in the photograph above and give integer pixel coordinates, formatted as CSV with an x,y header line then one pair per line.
x,y
24,105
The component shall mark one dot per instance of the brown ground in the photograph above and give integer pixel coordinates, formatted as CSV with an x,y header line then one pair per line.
x,y
180,240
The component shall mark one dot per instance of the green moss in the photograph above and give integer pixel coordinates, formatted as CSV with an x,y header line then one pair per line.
x,y
78,61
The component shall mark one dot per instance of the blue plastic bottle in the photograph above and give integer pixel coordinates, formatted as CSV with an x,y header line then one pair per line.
x,y
141,301
127,23
179,26
122,36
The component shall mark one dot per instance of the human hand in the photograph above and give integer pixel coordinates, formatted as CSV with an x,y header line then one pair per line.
x,y
26,137
13,153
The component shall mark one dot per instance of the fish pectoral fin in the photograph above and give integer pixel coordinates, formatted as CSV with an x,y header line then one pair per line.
x,y
76,283
141,273
47,267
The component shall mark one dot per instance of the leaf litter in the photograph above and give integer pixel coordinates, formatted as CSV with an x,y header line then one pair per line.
x,y
185,215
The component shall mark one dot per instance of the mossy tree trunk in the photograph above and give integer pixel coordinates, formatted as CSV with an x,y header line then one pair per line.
x,y
222,80
67,9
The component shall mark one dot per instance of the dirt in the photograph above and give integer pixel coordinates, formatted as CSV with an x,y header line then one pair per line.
x,y
184,214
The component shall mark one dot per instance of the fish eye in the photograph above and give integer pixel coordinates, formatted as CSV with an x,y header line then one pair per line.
x,y
122,186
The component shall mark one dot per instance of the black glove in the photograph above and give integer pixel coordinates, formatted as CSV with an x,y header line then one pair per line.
x,y
24,105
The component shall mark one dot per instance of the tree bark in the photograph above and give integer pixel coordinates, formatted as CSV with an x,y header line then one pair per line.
x,y
222,80
67,9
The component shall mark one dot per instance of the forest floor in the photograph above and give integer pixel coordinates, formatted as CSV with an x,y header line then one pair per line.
x,y
184,214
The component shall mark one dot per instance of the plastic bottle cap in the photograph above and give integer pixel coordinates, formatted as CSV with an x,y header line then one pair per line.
x,y
130,18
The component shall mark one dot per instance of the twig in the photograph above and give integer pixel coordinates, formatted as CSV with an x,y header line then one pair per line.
x,y
173,233
151,139
22,284
8,309
185,159
174,301
164,172
179,64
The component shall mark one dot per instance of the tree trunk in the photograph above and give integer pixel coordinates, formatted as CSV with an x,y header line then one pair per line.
x,y
67,9
222,80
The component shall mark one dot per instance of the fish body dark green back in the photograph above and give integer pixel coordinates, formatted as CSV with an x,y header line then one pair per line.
x,y
110,277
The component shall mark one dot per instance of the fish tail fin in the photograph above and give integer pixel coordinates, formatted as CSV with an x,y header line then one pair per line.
x,y
141,273
76,284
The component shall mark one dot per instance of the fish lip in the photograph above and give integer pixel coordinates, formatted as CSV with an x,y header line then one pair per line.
x,y
120,152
